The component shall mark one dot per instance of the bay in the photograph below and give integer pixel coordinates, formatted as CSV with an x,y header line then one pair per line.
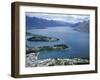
x,y
78,42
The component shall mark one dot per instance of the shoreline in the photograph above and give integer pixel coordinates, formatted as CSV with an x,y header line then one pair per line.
x,y
32,61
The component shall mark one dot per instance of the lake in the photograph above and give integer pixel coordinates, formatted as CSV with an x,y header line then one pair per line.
x,y
78,42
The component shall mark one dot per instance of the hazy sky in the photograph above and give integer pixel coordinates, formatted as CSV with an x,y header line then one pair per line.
x,y
59,17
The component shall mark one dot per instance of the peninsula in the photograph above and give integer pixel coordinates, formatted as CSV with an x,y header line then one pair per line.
x,y
41,38
46,48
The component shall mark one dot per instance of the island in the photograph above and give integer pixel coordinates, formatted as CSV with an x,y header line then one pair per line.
x,y
41,38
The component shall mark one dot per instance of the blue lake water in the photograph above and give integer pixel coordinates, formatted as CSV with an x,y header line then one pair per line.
x,y
78,42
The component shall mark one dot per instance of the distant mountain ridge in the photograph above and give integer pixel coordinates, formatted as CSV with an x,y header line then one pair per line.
x,y
43,23
82,26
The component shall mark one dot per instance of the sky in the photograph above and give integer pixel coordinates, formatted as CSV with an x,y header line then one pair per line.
x,y
72,18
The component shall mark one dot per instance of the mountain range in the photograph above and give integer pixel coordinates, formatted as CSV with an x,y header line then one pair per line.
x,y
82,26
34,22
40,23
